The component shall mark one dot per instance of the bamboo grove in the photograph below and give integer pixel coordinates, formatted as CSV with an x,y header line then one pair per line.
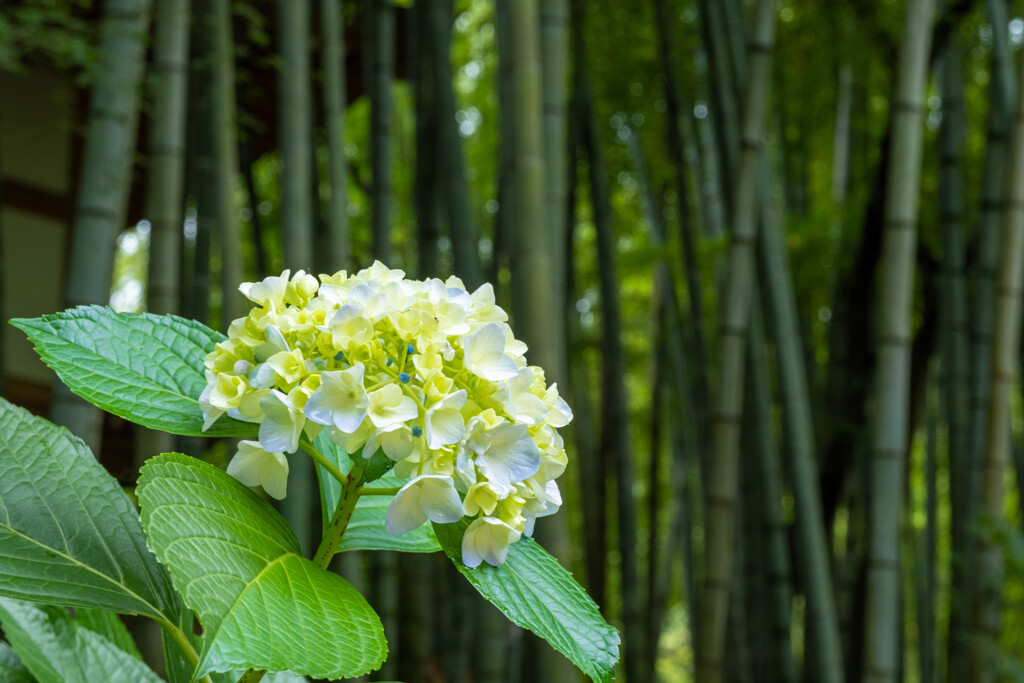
x,y
772,252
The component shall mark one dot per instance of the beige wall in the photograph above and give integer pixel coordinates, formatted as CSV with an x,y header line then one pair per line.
x,y
35,153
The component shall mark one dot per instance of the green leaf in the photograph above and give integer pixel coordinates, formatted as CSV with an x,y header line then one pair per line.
x,y
366,529
536,592
238,564
377,466
69,535
57,649
330,488
177,665
11,668
110,626
145,368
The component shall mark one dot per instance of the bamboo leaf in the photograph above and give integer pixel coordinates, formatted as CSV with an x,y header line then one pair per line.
x,y
145,368
57,649
68,533
533,590
238,564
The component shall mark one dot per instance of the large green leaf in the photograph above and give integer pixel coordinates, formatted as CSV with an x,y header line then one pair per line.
x,y
536,592
145,368
68,533
366,528
238,564
56,649
11,668
110,626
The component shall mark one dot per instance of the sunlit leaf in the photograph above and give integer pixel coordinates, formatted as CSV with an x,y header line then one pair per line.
x,y
238,565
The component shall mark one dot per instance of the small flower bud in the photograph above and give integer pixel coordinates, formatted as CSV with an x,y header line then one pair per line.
x,y
241,367
409,349
404,378
417,431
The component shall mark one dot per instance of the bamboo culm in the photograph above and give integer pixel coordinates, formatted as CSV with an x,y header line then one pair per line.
x,y
338,245
953,331
734,319
381,26
104,184
615,415
297,212
998,441
895,297
825,659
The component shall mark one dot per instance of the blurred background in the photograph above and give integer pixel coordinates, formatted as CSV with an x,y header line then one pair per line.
x,y
770,250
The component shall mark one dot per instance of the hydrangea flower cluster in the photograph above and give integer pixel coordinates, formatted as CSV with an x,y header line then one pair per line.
x,y
422,370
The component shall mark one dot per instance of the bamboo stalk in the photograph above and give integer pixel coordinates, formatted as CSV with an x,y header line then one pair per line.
x,y
339,248
998,441
615,415
165,180
674,136
465,243
993,198
104,185
381,22
225,144
821,620
723,109
297,213
166,176
881,629
426,185
953,322
733,325
765,474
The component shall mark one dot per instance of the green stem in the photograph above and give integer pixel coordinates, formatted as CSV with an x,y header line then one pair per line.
x,y
342,514
184,643
363,491
317,456
335,530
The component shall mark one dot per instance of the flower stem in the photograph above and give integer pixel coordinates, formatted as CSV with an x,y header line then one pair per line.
x,y
342,514
323,461
335,530
363,491
184,643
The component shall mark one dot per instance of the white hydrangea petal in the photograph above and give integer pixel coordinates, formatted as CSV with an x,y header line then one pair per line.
x,y
510,457
245,465
280,429
274,476
485,354
262,377
341,399
404,512
397,442
439,500
388,405
487,539
275,343
254,466
352,443
443,428
529,409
